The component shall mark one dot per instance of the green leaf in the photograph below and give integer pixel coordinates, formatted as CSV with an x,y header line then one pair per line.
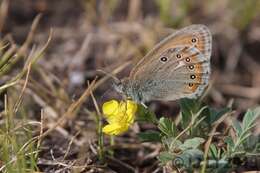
x,y
145,115
191,143
150,136
237,127
194,153
248,122
188,107
167,127
213,151
190,158
244,137
250,117
170,143
251,143
165,157
216,114
230,143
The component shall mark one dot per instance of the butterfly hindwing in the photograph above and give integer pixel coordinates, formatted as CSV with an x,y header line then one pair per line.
x,y
175,78
177,67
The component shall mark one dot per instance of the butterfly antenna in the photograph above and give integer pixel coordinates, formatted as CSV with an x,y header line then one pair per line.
x,y
116,80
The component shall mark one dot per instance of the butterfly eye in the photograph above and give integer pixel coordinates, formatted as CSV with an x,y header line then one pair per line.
x,y
187,59
193,40
191,67
164,59
192,76
178,56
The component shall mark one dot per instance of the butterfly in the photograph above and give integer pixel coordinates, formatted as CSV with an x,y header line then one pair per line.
x,y
177,67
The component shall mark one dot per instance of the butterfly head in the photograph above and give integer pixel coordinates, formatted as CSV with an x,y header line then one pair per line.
x,y
125,88
118,86
122,86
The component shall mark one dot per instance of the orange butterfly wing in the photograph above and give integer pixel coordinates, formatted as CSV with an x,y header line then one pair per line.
x,y
185,71
183,37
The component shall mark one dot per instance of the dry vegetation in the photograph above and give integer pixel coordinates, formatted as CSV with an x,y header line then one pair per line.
x,y
51,91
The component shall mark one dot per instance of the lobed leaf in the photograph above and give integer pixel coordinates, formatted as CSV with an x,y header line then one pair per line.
x,y
149,136
192,143
167,127
143,114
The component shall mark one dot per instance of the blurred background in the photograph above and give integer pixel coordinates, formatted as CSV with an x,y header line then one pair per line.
x,y
113,35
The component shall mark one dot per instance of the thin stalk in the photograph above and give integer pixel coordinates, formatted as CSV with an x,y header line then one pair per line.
x,y
100,139
99,130
112,144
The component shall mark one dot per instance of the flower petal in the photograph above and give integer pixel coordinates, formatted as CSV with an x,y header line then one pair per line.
x,y
131,110
110,108
115,129
119,116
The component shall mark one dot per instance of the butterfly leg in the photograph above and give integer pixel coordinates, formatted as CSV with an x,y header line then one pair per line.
x,y
144,105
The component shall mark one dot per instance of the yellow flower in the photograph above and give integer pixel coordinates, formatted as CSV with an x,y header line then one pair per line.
x,y
119,116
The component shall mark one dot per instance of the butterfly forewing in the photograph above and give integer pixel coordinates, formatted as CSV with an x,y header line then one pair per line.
x,y
183,37
177,67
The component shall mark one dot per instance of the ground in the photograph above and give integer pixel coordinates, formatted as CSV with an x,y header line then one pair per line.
x,y
87,36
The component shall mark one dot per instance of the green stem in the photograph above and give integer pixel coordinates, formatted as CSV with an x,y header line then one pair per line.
x,y
100,139
112,143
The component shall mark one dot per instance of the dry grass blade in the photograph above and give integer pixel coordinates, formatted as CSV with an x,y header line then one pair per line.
x,y
41,129
10,61
68,114
123,165
241,91
70,143
19,101
3,13
7,56
15,159
134,10
117,70
95,103
32,60
212,132
24,47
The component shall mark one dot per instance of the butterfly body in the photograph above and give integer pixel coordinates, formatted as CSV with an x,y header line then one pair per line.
x,y
179,66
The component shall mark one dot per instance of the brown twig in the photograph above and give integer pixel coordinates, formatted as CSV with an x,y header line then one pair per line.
x,y
212,133
30,36
3,13
19,100
61,121
118,162
69,146
241,91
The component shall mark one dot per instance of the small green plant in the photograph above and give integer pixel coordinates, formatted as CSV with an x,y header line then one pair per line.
x,y
173,13
244,12
191,144
244,144
18,147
